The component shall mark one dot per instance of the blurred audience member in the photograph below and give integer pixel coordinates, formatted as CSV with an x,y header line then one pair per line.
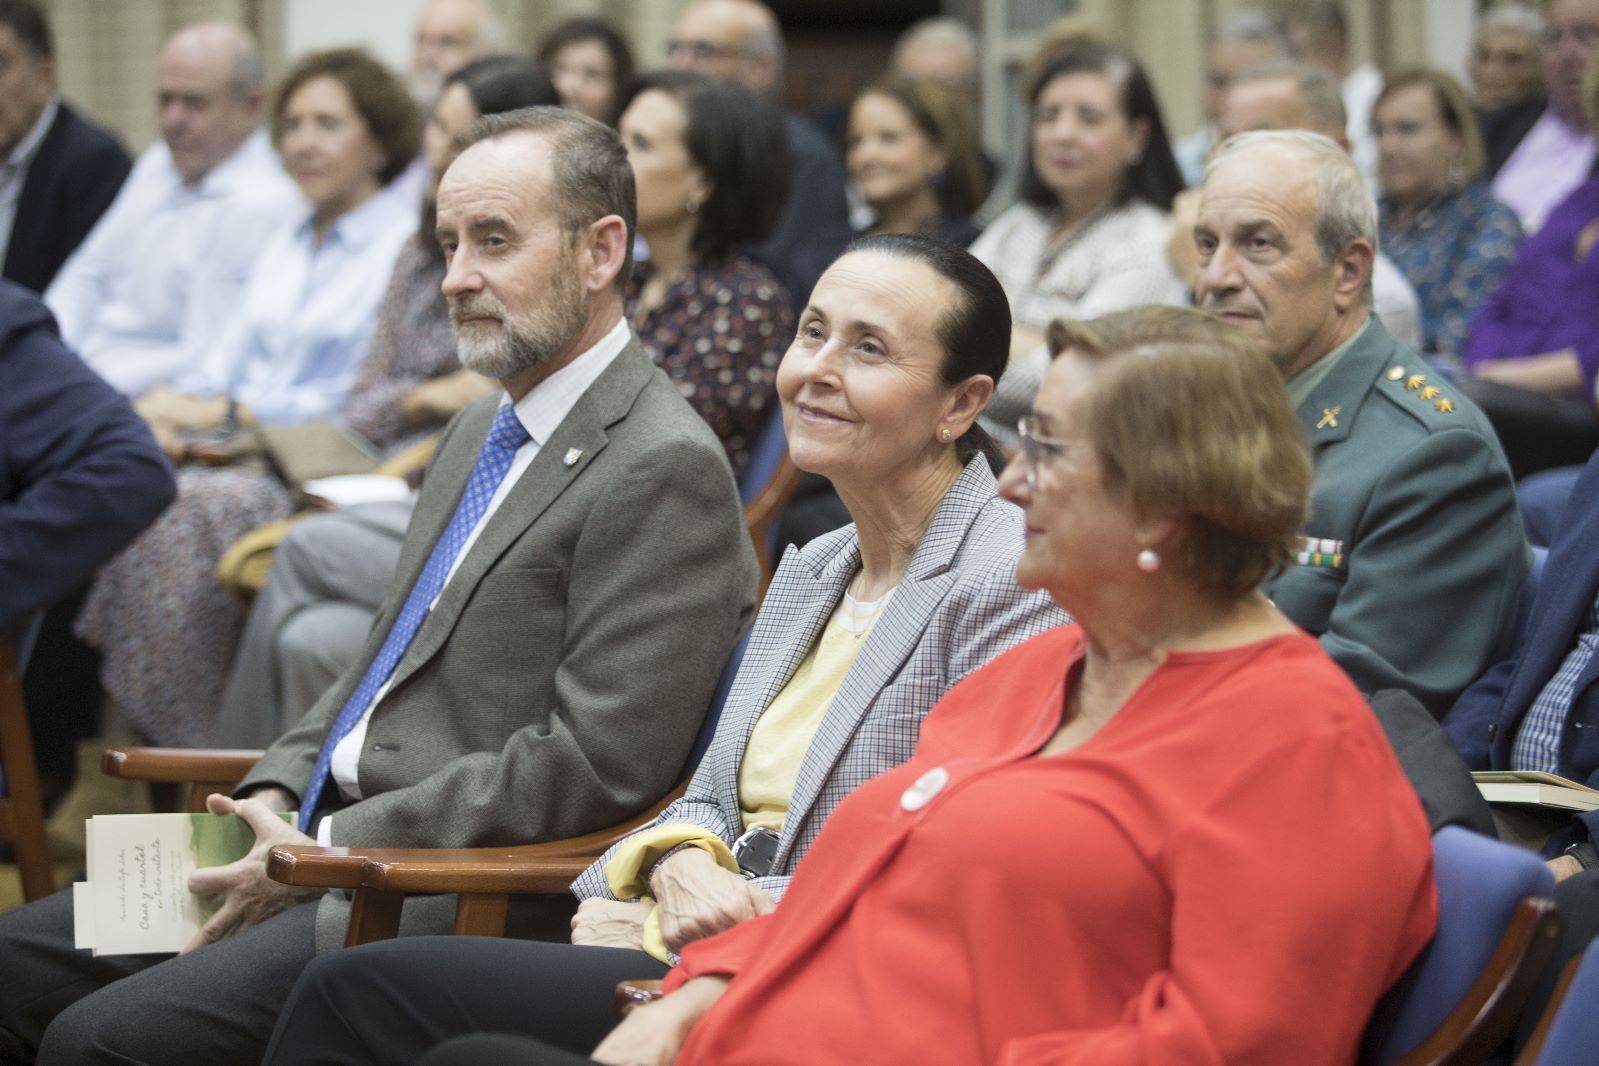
x,y
1413,554
1284,95
942,49
58,173
1534,347
330,571
912,151
80,475
711,164
449,35
1087,238
156,284
591,65
1319,35
740,40
1439,222
344,126
1505,68
1538,154
1243,39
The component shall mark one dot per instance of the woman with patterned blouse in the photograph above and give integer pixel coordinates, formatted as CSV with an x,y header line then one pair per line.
x,y
712,165
1438,221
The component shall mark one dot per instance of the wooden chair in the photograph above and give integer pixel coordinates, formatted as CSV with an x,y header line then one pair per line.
x,y
1497,928
21,809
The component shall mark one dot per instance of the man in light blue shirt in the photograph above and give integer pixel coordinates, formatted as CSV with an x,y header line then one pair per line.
x,y
151,289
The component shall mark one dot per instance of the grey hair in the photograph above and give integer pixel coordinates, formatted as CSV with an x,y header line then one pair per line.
x,y
591,175
1511,17
249,75
1252,27
938,29
1322,96
1345,211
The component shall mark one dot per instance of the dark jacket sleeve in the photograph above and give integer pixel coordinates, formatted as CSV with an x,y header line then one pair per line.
x,y
1431,763
80,475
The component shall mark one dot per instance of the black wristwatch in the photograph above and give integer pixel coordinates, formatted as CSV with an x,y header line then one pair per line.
x,y
1585,853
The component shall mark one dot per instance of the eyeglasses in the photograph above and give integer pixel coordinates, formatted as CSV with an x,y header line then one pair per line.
x,y
1036,448
701,50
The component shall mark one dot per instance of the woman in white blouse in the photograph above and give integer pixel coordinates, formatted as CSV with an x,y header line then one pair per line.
x,y
1089,234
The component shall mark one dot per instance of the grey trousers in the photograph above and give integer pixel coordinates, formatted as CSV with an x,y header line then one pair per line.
x,y
310,622
211,1007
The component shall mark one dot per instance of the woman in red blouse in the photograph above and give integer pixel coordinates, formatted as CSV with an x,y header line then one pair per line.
x,y
1169,833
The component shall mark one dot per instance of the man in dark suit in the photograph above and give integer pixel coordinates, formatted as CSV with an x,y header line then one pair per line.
x,y
1414,556
58,174
573,579
80,475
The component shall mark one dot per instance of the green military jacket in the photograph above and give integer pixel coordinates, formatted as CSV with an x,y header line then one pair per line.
x,y
1414,555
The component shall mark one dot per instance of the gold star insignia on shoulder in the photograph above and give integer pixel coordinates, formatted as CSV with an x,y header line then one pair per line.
x,y
1415,381
1445,405
1430,392
1329,418
1395,373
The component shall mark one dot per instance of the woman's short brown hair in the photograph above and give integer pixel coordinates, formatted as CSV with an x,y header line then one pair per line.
x,y
1191,421
1454,111
379,97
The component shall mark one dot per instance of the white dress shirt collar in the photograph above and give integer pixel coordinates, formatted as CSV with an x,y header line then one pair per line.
x,y
354,229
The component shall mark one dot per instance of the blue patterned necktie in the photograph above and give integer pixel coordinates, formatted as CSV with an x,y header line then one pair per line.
x,y
505,437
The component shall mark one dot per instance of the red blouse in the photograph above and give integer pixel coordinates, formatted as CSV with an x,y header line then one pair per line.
x,y
1231,870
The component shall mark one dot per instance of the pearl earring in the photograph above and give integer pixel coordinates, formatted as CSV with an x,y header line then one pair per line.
x,y
943,435
1148,561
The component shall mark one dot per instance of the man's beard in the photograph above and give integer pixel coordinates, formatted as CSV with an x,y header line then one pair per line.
x,y
524,340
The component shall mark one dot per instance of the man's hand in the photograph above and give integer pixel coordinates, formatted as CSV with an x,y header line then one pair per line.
x,y
250,896
699,899
1564,866
609,923
652,1035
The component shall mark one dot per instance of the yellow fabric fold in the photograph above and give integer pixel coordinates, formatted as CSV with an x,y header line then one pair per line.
x,y
626,871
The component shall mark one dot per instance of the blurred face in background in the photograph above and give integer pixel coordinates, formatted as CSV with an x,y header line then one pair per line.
x,y
1082,141
447,123
203,117
1570,41
26,85
1227,58
1505,68
671,186
1416,147
449,35
328,149
586,79
888,154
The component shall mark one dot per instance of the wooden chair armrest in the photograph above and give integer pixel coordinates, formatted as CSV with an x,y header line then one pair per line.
x,y
210,766
310,866
509,871
631,994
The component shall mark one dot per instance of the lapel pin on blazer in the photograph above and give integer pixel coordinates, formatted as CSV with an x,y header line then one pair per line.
x,y
572,456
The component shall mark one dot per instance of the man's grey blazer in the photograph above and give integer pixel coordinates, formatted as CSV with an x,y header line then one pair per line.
x,y
957,607
558,683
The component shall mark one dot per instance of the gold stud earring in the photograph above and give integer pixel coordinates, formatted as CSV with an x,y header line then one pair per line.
x,y
943,435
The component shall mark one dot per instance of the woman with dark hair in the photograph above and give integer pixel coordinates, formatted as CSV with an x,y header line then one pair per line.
x,y
591,65
1438,220
1090,234
912,151
712,167
861,632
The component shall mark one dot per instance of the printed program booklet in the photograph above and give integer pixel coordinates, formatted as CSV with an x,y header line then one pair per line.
x,y
1528,786
136,900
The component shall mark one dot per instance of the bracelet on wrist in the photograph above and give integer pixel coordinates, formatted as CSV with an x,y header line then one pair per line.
x,y
649,875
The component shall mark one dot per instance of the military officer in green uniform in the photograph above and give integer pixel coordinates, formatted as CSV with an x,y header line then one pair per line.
x,y
1414,555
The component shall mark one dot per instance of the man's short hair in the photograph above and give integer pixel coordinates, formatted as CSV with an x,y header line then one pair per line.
x,y
1252,27
1511,16
938,29
30,26
1345,211
249,75
1319,90
590,172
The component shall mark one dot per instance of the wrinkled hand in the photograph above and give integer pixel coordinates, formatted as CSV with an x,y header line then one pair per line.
x,y
250,896
652,1035
699,899
609,923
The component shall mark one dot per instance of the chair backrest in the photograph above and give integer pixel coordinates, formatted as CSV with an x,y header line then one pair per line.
x,y
1571,1036
1496,928
713,714
21,810
768,484
1529,592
